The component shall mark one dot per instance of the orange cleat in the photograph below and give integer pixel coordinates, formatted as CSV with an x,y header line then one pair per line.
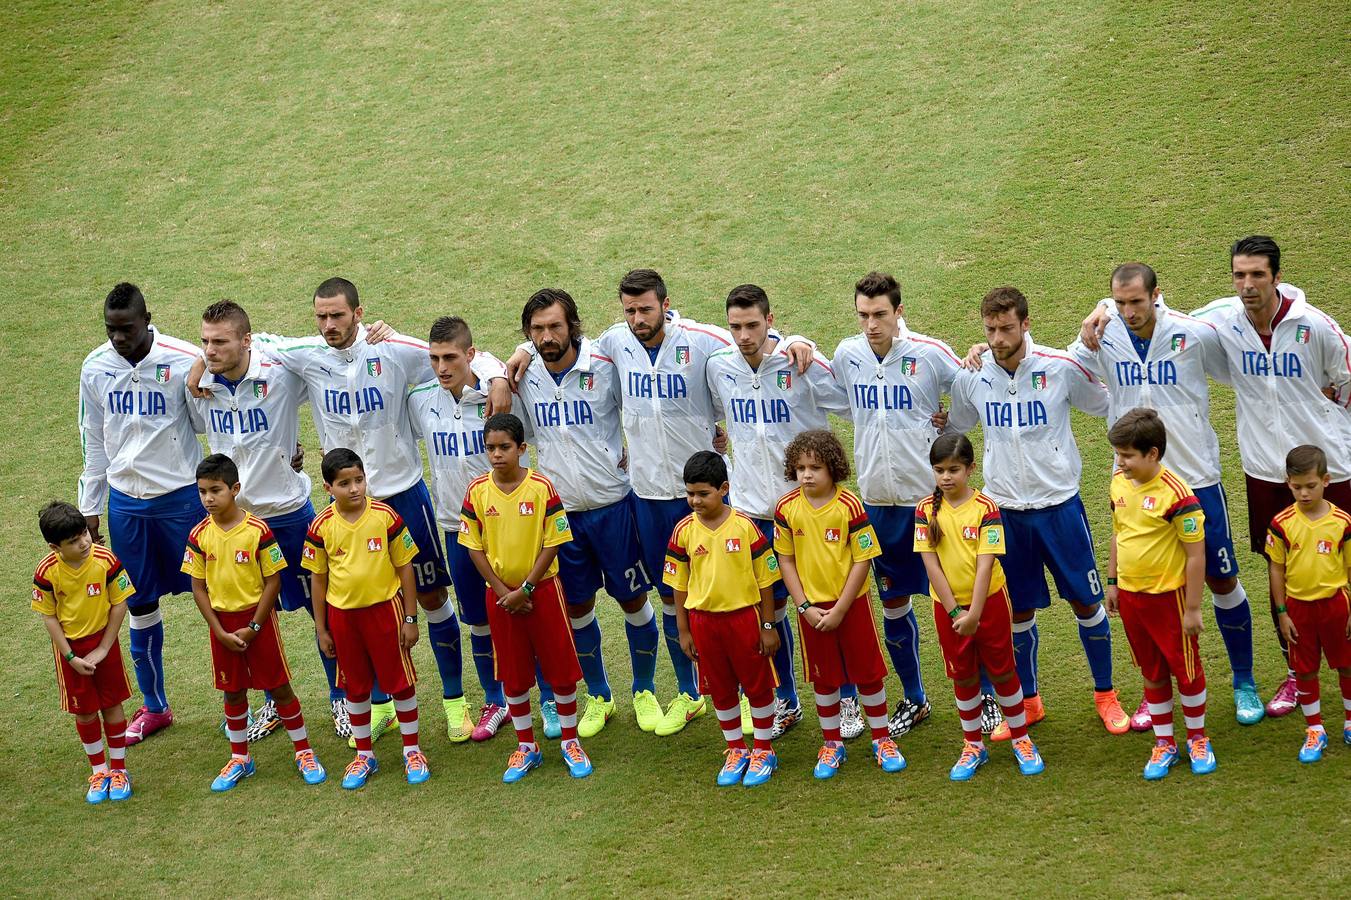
x,y
1035,710
1111,713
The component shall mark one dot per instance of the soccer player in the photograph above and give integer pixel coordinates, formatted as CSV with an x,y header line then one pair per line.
x,y
80,590
960,535
235,563
512,524
723,571
1151,356
448,413
571,395
1155,579
1290,366
250,408
766,403
139,435
1309,548
361,556
1022,394
824,544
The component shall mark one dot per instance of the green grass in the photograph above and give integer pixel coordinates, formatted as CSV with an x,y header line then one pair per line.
x,y
453,160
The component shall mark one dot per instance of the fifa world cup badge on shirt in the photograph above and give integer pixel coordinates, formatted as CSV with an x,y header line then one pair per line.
x,y
526,508
1038,381
992,537
682,356
865,541
1189,525
373,366
833,535
1302,334
260,389
562,525
772,563
734,545
909,366
375,545
274,553
1179,342
162,372
785,380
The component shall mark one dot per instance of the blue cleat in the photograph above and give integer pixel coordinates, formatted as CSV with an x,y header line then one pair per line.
x,y
1346,733
415,768
761,768
1161,760
579,765
359,772
1315,742
972,758
734,769
1029,760
307,764
234,772
119,785
828,760
98,788
1248,706
520,763
1202,756
548,711
888,755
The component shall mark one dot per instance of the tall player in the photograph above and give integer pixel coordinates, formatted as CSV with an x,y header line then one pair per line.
x,y
1021,395
766,403
139,435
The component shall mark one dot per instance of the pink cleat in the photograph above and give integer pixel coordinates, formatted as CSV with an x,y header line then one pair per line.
x,y
1284,701
146,723
490,718
1142,720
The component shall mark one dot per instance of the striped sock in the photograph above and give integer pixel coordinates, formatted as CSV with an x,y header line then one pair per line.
x,y
1344,681
1193,697
1159,702
968,710
294,722
873,699
567,711
762,717
1010,697
405,710
521,720
359,714
236,729
117,743
1308,691
91,736
828,711
729,720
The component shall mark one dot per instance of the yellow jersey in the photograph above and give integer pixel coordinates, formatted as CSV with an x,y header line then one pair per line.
x,y
1151,522
361,558
720,569
233,563
80,598
1316,553
513,528
973,529
824,543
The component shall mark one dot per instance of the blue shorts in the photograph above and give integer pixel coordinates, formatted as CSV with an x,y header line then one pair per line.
x,y
149,537
1056,537
289,530
470,589
1220,559
414,506
899,571
603,552
766,527
657,519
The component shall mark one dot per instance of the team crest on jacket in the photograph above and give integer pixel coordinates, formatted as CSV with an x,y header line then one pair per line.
x,y
733,545
242,556
162,372
526,507
832,535
1179,342
682,356
1038,381
909,365
785,380
375,545
373,366
1149,503
969,533
587,381
260,389
1325,547
1302,334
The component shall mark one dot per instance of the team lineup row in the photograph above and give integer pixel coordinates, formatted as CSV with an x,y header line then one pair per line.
x,y
666,384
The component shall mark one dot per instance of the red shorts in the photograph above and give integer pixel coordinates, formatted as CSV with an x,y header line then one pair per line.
x,y
991,646
728,644
1153,624
1322,631
1267,498
851,654
543,635
85,694
262,666
367,640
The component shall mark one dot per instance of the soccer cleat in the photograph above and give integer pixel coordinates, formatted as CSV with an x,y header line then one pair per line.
x,y
1315,742
1113,717
415,768
119,785
459,727
1248,708
1161,759
342,723
579,765
1284,700
851,718
98,787
761,768
1142,720
520,763
647,710
1346,733
747,720
888,755
785,717
382,717
235,771
829,760
1035,710
734,769
307,764
907,716
991,716
1202,755
490,718
359,772
972,758
598,712
548,711
683,710
263,724
1029,760
145,723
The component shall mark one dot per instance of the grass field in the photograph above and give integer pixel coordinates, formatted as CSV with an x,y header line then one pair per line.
x,y
454,160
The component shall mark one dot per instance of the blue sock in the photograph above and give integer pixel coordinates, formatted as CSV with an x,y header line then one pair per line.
x,y
147,656
684,667
783,663
641,629
1096,635
1025,655
848,690
481,646
901,633
378,696
986,686
1234,619
586,635
546,690
443,630
331,672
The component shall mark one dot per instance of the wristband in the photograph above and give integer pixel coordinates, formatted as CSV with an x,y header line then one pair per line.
x,y
410,620
954,612
527,588
803,608
767,626
255,627
1111,582
70,654
1281,610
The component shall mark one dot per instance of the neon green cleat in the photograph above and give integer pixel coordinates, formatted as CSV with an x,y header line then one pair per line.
x,y
683,710
459,727
597,713
747,722
382,718
647,710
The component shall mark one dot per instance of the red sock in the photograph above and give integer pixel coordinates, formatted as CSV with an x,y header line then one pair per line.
x,y
1009,693
1307,692
359,714
1345,682
236,728
1160,704
829,714
873,699
567,711
728,710
763,723
405,710
519,710
91,735
968,710
116,733
1193,697
294,723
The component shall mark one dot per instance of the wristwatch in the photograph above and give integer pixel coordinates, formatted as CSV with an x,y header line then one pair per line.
x,y
803,608
767,626
527,588
255,627
410,620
